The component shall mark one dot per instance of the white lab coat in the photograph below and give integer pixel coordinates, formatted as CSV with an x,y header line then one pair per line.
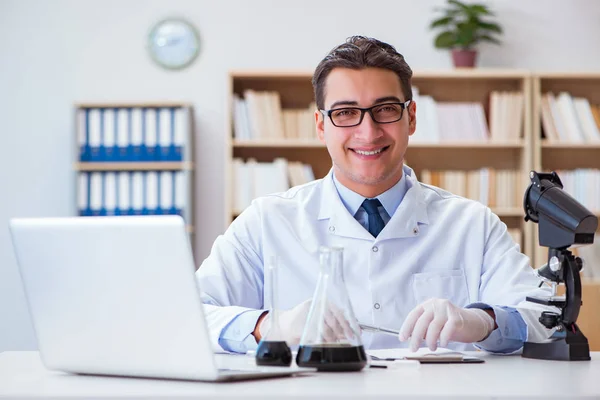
x,y
435,245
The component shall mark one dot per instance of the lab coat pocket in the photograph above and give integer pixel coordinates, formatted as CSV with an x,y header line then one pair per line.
x,y
442,284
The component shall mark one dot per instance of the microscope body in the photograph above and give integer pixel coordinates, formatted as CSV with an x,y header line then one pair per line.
x,y
570,343
562,222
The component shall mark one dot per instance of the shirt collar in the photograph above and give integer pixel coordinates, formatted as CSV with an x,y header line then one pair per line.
x,y
390,199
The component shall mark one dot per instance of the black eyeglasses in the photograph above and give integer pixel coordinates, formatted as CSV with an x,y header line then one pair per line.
x,y
352,116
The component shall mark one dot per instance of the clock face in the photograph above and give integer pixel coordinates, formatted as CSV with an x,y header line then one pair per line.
x,y
173,43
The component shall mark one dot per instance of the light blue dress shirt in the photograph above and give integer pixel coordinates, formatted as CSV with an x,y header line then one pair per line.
x,y
507,338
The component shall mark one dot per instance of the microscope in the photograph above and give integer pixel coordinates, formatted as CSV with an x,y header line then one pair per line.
x,y
563,222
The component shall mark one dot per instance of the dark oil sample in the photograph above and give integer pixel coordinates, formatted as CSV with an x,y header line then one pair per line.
x,y
273,353
332,357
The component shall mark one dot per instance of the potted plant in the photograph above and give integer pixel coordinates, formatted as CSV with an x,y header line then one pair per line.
x,y
463,28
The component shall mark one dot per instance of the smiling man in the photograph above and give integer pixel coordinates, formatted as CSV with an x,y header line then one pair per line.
x,y
440,267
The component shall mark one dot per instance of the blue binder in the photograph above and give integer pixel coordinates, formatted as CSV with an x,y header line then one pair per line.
x,y
144,196
177,148
102,150
174,209
156,151
95,154
86,211
123,151
167,151
117,195
131,210
103,195
84,151
135,149
112,151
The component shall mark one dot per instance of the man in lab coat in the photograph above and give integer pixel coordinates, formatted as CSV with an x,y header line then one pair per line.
x,y
440,267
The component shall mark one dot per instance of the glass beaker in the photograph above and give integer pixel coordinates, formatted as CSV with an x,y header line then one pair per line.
x,y
272,349
331,337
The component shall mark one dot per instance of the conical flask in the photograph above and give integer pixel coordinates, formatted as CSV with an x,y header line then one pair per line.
x,y
272,349
331,337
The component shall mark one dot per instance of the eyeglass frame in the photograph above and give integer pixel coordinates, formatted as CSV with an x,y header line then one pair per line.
x,y
403,106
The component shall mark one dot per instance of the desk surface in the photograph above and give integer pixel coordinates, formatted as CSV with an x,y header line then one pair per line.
x,y
23,376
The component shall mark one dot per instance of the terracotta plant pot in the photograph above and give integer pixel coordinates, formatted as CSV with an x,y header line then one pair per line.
x,y
464,58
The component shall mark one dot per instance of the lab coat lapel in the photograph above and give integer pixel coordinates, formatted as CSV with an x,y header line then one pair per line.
x,y
411,212
341,223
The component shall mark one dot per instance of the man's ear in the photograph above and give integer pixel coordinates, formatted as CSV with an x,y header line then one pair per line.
x,y
412,115
320,125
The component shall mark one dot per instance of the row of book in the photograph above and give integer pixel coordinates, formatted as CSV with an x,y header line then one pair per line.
x,y
569,119
132,134
583,185
494,188
133,193
259,116
253,179
466,121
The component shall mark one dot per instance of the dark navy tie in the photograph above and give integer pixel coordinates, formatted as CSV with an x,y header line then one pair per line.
x,y
375,221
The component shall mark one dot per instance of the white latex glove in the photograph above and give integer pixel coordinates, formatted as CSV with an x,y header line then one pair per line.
x,y
292,321
439,319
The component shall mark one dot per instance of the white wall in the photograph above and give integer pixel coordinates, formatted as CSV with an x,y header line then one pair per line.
x,y
55,53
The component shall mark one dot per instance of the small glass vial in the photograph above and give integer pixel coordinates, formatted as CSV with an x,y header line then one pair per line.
x,y
272,349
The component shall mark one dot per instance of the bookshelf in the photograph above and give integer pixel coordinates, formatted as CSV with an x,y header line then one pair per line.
x,y
522,153
552,153
294,91
135,159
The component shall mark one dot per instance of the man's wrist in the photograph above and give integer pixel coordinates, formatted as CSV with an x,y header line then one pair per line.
x,y
256,331
491,313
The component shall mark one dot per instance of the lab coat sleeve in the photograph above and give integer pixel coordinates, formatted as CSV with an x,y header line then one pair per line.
x,y
231,278
510,334
507,278
237,336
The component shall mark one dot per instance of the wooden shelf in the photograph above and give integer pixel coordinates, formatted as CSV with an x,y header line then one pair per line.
x,y
471,73
570,146
567,75
468,145
285,143
134,166
483,73
299,143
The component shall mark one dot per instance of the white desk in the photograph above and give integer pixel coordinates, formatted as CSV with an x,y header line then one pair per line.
x,y
23,376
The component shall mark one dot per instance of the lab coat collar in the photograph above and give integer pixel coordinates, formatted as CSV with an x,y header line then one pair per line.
x,y
411,212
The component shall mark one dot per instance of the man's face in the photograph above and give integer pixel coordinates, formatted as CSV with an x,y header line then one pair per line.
x,y
367,158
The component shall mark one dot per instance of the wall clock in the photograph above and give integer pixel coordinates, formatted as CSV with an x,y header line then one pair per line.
x,y
173,43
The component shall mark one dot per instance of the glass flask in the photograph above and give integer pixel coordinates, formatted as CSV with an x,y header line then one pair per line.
x,y
272,348
331,337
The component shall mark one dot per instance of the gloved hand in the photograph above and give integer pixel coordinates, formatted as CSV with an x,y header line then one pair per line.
x,y
292,321
440,319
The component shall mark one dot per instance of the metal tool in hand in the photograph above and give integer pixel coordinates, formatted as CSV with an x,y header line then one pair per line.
x,y
378,329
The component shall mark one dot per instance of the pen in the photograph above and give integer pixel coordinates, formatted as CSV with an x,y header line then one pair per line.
x,y
378,329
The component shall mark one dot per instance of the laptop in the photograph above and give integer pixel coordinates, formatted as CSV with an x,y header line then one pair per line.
x,y
118,296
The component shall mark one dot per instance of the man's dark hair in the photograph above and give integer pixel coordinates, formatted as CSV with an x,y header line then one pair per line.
x,y
359,52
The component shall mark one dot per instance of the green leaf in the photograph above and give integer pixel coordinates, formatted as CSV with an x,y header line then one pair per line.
x,y
488,38
441,22
445,40
449,12
465,34
490,26
459,5
480,9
